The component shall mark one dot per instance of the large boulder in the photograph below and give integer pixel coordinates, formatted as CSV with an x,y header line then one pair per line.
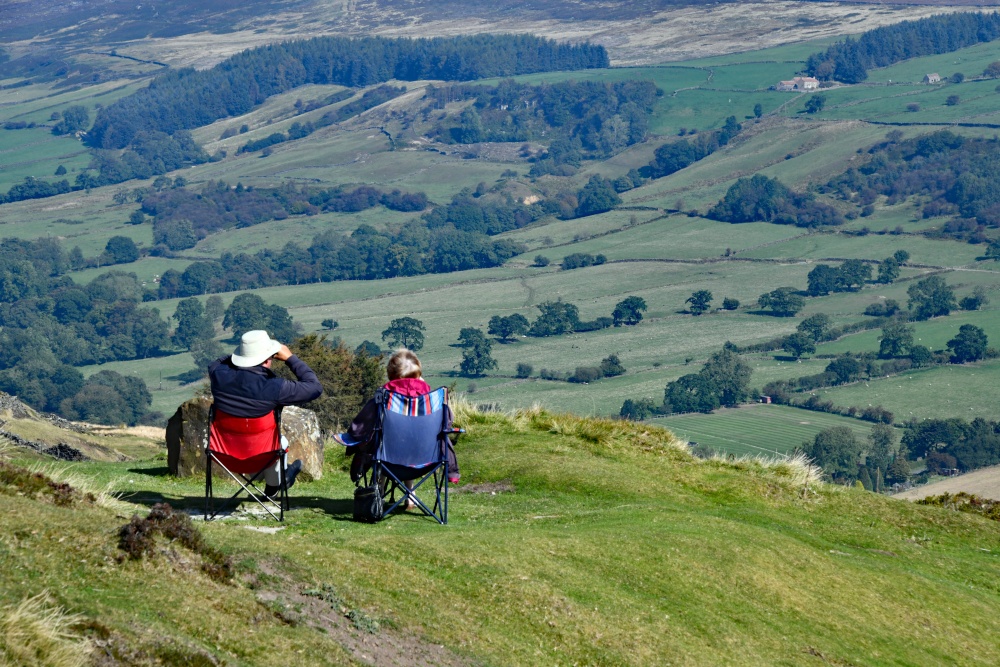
x,y
187,432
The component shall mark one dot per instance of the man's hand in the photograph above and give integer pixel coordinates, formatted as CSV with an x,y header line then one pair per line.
x,y
283,353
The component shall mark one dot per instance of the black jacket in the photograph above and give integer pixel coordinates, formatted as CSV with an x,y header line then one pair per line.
x,y
255,391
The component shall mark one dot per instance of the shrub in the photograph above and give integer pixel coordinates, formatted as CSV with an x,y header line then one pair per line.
x,y
939,462
579,260
877,414
137,538
595,325
584,374
636,410
730,304
611,366
524,370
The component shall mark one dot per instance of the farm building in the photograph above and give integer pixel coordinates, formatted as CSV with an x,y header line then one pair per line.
x,y
799,83
932,78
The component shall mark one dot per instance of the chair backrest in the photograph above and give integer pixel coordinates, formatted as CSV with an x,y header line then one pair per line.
x,y
244,442
411,428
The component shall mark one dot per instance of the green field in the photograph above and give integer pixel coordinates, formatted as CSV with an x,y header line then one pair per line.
x,y
970,61
966,391
662,257
757,430
36,152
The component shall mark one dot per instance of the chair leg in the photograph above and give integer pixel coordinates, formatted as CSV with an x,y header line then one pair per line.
x,y
208,486
282,489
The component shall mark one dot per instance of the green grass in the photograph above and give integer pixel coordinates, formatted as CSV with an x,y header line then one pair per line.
x,y
35,103
147,269
80,219
275,234
613,548
970,61
677,237
827,246
940,392
757,430
751,76
36,152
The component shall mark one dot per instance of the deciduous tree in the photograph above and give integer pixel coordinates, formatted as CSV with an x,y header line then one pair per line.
x,y
838,452
969,345
405,332
798,344
815,326
508,328
192,324
629,311
896,339
931,297
699,301
783,302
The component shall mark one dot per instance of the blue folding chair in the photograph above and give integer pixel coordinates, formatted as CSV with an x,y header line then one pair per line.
x,y
413,438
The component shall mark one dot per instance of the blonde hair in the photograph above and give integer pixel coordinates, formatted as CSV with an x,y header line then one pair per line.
x,y
403,364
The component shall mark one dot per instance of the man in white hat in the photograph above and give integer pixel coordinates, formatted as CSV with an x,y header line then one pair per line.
x,y
243,385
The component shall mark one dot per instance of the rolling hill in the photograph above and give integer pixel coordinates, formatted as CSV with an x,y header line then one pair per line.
x,y
570,541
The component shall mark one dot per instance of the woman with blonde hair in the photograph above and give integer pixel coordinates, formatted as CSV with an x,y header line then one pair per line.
x,y
406,378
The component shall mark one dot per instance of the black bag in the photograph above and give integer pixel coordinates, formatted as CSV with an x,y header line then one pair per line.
x,y
368,503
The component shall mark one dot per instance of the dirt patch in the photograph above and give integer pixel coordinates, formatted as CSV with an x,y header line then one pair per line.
x,y
491,488
984,483
365,637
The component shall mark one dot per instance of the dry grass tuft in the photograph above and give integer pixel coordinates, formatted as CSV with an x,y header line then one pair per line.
x,y
100,496
797,470
38,633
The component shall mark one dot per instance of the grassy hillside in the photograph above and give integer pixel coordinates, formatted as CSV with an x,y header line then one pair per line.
x,y
574,541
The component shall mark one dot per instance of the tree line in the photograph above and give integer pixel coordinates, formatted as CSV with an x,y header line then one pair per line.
x,y
849,60
366,254
185,99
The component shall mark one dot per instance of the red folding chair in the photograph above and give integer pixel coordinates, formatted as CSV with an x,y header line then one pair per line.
x,y
245,448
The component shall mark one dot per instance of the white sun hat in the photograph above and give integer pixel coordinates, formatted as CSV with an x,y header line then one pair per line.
x,y
255,348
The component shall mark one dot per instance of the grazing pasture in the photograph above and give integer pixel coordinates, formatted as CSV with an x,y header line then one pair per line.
x,y
757,430
967,391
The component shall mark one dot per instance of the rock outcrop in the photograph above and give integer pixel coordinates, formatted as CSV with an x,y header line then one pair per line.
x,y
187,432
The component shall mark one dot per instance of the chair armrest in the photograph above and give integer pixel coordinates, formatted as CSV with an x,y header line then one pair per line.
x,y
453,432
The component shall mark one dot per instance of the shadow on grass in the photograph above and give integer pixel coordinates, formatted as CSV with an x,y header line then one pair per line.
x,y
339,509
157,471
